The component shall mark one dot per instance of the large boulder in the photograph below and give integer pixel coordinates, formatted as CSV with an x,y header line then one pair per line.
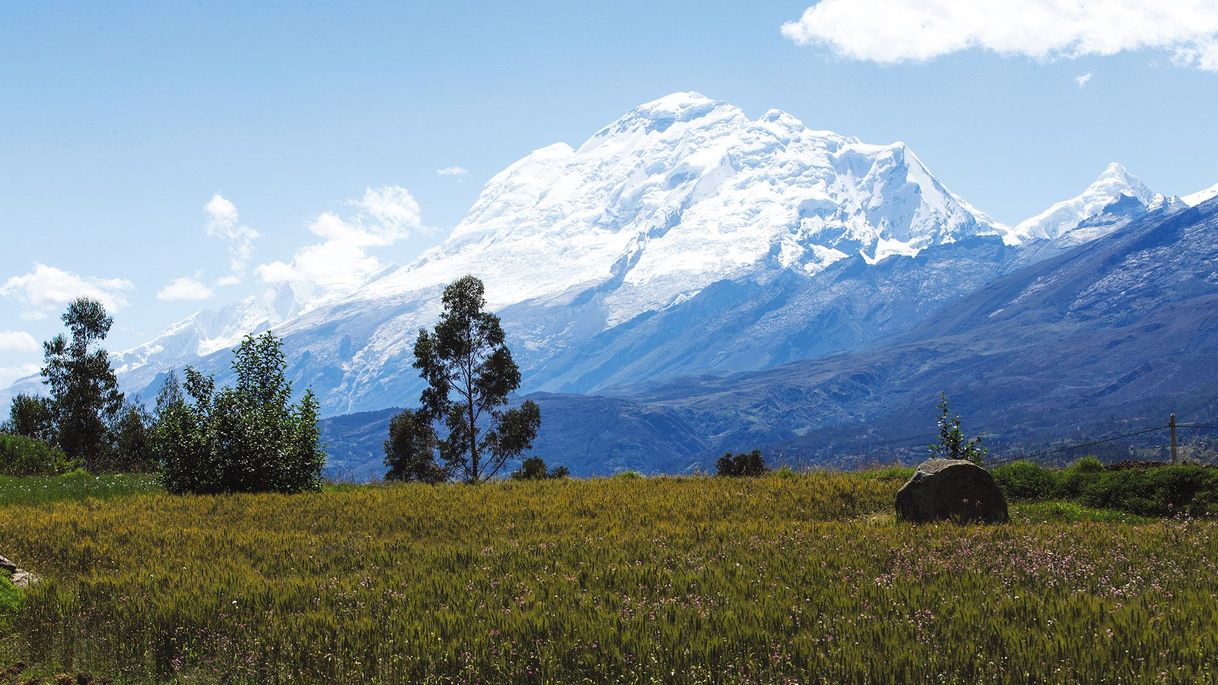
x,y
951,489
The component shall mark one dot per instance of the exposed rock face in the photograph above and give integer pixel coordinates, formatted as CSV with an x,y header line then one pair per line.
x,y
951,489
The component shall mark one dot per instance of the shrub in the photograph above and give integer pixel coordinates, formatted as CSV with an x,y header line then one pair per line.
x,y
750,464
22,456
628,475
1153,492
1071,479
534,468
1025,480
1088,464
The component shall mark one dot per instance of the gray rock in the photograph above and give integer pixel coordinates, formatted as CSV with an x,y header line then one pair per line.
x,y
951,489
24,579
6,565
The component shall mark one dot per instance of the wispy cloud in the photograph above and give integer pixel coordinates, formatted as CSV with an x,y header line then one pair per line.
x,y
222,222
890,31
459,172
47,290
1082,79
17,341
184,289
341,262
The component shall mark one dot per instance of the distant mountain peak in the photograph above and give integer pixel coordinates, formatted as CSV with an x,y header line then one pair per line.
x,y
1065,216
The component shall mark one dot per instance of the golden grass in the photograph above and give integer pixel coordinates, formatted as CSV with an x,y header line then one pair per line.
x,y
685,580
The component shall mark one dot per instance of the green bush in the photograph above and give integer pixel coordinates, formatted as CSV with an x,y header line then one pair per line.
x,y
1162,491
1024,480
22,456
1088,464
743,464
534,468
246,438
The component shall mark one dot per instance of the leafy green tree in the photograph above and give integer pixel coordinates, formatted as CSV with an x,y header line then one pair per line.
x,y
470,373
952,444
84,390
534,468
31,416
247,438
410,449
182,434
133,443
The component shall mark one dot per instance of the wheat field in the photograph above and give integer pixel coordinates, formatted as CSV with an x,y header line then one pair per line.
x,y
803,579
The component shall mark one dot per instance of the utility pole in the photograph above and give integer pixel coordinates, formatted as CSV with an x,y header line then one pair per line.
x,y
1175,454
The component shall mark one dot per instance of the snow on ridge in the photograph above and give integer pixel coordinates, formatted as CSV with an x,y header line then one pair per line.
x,y
680,192
1194,199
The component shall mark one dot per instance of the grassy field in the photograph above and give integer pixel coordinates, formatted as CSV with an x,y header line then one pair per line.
x,y
75,486
804,579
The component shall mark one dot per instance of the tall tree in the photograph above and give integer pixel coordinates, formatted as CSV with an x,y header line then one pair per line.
x,y
469,373
84,390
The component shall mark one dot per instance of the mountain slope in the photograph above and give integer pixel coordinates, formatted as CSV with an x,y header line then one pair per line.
x,y
1112,335
1122,328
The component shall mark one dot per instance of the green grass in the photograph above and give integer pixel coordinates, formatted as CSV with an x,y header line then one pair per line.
x,y
805,579
1070,512
10,602
74,486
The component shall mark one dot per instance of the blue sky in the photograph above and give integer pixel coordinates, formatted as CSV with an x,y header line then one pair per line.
x,y
120,122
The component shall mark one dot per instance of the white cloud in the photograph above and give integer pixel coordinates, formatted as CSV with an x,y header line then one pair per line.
x,y
460,172
8,374
341,262
17,341
1082,79
47,290
184,288
222,222
890,31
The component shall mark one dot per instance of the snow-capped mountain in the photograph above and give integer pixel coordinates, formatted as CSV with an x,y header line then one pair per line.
x,y
683,238
206,332
675,195
679,193
1063,218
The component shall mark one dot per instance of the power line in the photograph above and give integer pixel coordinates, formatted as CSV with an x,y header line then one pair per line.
x,y
1067,448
